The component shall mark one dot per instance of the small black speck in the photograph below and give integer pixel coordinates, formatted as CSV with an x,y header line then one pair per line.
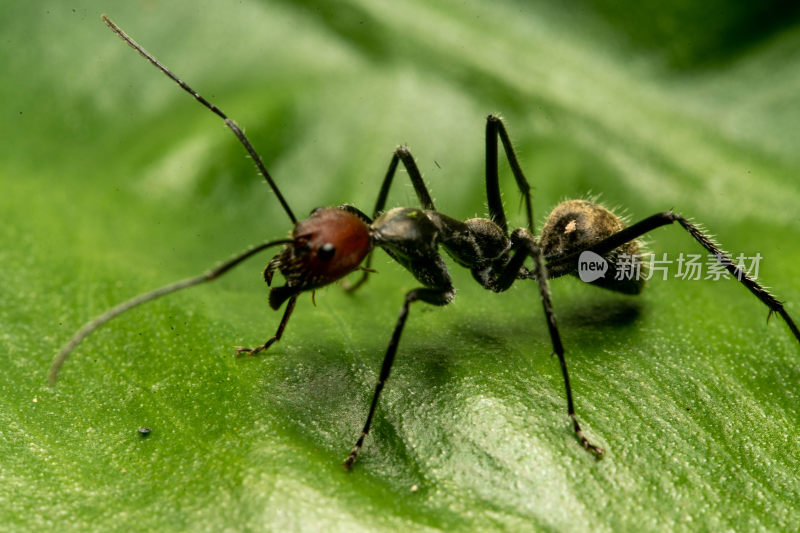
x,y
144,431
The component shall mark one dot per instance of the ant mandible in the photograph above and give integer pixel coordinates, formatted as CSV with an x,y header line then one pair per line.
x,y
333,242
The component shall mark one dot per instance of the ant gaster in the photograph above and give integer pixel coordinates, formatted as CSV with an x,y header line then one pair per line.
x,y
333,242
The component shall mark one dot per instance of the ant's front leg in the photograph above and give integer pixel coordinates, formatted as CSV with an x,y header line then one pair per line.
x,y
424,197
252,351
434,296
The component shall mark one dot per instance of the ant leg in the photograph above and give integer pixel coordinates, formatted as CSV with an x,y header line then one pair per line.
x,y
555,337
357,212
440,296
401,153
286,314
563,264
494,129
525,245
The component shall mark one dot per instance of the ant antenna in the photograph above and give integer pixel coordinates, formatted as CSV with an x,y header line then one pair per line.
x,y
114,312
228,122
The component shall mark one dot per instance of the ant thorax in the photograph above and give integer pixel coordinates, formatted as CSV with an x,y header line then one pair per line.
x,y
410,232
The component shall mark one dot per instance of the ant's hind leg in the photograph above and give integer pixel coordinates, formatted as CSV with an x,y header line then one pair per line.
x,y
668,217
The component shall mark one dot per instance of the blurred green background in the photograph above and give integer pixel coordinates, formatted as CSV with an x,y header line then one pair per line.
x,y
113,182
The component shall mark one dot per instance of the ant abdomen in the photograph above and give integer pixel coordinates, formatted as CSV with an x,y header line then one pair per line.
x,y
575,225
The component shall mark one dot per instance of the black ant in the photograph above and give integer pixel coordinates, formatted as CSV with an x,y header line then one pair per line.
x,y
333,242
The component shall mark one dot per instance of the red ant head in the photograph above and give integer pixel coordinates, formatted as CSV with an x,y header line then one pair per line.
x,y
327,246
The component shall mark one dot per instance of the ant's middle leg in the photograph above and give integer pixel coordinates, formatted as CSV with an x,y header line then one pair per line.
x,y
401,153
522,246
555,337
494,129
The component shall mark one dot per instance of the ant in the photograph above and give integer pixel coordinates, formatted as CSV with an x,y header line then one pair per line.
x,y
333,242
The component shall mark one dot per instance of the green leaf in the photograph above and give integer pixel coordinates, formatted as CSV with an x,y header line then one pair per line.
x,y
115,182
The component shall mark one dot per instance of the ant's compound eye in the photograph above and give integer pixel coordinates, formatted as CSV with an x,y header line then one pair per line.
x,y
326,251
